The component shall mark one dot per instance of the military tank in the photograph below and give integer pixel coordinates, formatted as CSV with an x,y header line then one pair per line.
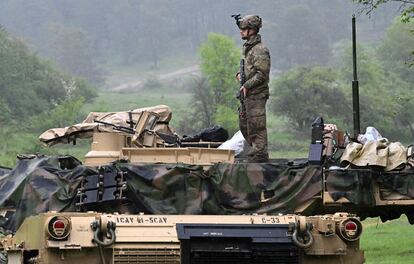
x,y
144,195
159,200
119,238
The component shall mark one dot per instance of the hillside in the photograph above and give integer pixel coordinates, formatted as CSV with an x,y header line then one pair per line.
x,y
34,95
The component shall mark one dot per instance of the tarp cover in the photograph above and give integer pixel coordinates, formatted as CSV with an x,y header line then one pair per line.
x,y
223,188
4,170
40,183
88,126
381,153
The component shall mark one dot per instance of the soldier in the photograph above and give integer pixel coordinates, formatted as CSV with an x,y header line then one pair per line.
x,y
255,88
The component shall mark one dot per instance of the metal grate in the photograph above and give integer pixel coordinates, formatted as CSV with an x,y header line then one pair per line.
x,y
146,255
288,255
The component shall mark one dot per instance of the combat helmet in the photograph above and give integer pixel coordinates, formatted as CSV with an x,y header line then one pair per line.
x,y
250,21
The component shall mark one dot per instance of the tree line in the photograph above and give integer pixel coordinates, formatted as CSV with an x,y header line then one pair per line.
x,y
31,87
84,37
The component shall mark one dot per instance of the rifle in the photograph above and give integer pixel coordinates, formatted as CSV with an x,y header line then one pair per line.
x,y
240,95
125,129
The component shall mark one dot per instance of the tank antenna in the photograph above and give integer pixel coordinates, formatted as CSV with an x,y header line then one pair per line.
x,y
355,84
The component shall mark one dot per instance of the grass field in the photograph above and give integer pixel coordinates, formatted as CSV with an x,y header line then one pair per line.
x,y
391,242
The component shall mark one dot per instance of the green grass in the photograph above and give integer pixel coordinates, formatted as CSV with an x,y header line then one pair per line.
x,y
15,143
388,243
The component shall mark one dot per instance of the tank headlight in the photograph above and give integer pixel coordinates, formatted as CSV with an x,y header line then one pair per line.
x,y
350,229
58,227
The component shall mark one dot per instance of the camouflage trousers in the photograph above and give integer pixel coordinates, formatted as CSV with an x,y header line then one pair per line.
x,y
253,127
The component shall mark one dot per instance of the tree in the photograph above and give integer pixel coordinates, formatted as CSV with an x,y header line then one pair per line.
x,y
219,64
406,7
404,115
320,94
30,86
72,50
202,101
394,55
385,99
394,51
201,115
299,39
65,114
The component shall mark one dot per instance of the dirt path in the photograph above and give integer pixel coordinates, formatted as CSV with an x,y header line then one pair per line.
x,y
165,76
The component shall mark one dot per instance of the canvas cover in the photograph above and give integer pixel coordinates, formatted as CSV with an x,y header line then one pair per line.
x,y
88,126
4,170
41,183
380,153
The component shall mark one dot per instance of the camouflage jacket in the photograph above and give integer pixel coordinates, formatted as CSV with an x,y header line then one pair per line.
x,y
257,66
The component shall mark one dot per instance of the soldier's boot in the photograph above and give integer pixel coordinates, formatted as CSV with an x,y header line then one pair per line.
x,y
258,153
258,157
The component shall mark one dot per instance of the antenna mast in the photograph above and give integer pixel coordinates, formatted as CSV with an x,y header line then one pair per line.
x,y
355,84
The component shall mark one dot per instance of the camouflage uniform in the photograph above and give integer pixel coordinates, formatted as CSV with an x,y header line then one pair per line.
x,y
257,68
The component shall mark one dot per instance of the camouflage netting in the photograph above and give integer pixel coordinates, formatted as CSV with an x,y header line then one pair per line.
x,y
352,184
222,188
38,184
